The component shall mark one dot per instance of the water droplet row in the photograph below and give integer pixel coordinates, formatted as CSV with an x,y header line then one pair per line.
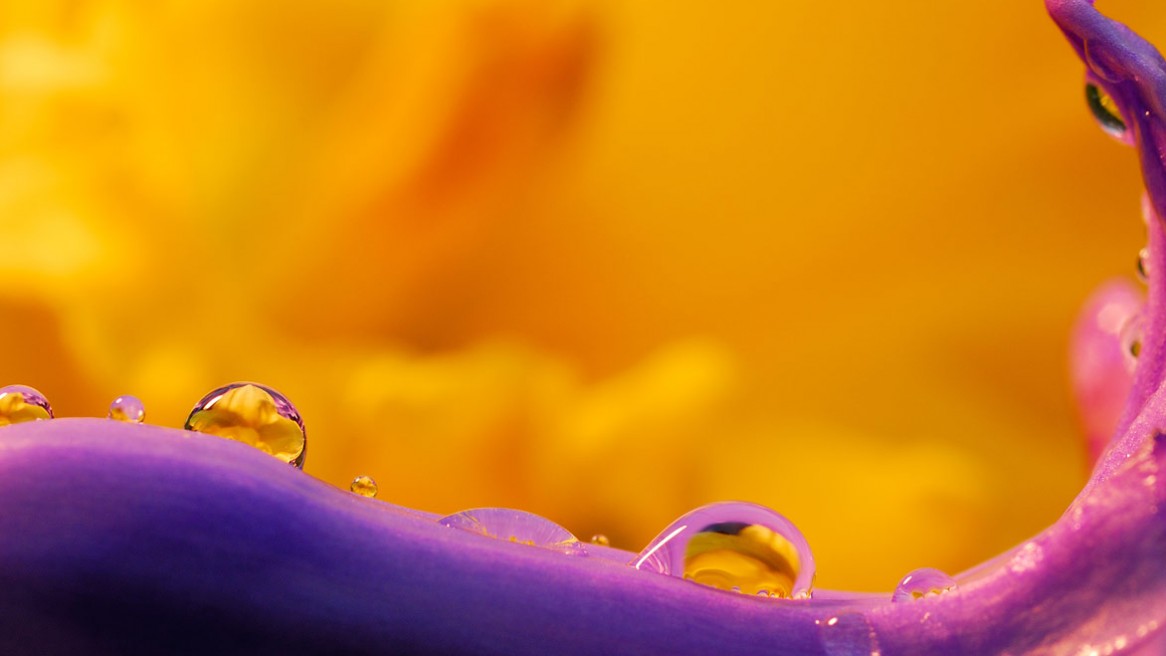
x,y
244,412
735,546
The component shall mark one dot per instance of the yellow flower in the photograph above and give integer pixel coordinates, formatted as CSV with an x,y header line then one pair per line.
x,y
601,261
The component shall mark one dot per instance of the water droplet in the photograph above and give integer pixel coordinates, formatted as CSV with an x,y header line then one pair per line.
x,y
848,634
516,526
1130,338
364,486
1144,264
922,582
21,403
127,408
734,545
253,414
601,540
1105,110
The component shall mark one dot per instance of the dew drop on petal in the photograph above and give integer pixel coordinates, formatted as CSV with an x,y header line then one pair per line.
x,y
516,526
922,582
601,540
1144,264
1106,111
365,486
253,414
127,408
734,546
1130,338
21,403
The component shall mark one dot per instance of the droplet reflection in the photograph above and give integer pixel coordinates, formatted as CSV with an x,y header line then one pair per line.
x,y
365,486
127,408
256,415
516,526
921,583
21,403
734,546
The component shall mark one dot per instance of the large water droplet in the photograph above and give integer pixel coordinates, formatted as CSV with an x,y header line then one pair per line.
x,y
516,526
253,414
922,582
127,408
365,486
734,546
21,403
848,634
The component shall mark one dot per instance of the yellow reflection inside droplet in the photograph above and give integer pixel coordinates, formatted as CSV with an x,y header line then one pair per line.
x,y
13,410
754,559
365,486
248,414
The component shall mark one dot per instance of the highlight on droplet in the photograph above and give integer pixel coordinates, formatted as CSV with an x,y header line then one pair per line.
x,y
922,582
516,526
21,403
735,546
128,409
253,414
365,486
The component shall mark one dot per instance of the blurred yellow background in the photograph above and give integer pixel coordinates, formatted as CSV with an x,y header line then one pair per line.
x,y
604,261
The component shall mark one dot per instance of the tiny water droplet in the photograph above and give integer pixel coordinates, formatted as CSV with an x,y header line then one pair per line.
x,y
734,545
253,414
922,582
21,403
848,634
365,486
127,408
1144,264
1130,338
516,526
601,540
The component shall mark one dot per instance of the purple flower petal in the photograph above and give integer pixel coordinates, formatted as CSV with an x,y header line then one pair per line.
x,y
122,538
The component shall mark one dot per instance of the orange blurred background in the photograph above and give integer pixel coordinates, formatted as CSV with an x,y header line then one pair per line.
x,y
602,261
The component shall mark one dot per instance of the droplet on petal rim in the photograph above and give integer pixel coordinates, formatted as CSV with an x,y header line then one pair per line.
x,y
256,415
921,583
365,486
21,403
1144,264
516,526
1106,111
734,546
127,408
600,539
1131,339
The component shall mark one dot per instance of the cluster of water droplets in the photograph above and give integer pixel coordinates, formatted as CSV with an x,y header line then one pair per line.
x,y
735,546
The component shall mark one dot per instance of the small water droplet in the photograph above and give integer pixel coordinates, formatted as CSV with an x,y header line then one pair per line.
x,y
256,415
1144,264
1130,338
516,526
601,540
922,582
365,486
127,408
848,634
21,403
734,545
1106,111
